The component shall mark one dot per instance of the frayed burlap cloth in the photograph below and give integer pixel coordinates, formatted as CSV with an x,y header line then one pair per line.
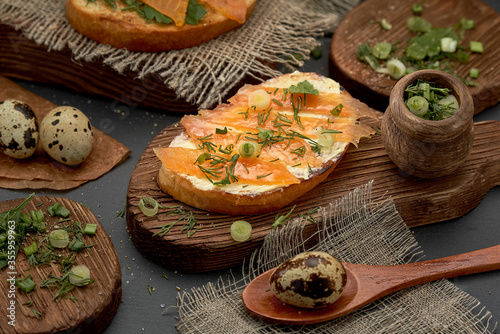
x,y
277,30
356,229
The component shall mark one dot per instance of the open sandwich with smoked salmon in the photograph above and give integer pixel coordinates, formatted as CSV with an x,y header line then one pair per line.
x,y
156,25
266,147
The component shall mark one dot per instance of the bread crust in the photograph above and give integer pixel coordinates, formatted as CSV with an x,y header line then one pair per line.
x,y
217,200
128,30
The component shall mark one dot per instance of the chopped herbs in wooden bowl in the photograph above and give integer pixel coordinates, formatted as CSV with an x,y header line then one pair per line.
x,y
428,101
428,127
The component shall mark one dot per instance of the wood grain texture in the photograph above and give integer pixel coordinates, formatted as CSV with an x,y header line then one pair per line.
x,y
365,284
419,201
24,59
95,304
373,88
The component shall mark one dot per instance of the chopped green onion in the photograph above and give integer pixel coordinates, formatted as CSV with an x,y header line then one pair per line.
x,y
325,137
476,47
467,24
241,230
90,229
317,52
417,9
80,275
382,50
396,68
450,101
385,24
149,206
59,238
221,131
418,24
37,216
249,150
203,157
259,99
474,73
31,249
364,53
425,88
418,105
76,245
57,209
26,284
39,226
440,103
448,44
416,51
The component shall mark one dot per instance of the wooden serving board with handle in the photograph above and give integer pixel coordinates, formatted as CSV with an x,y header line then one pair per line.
x,y
24,59
359,26
95,305
419,201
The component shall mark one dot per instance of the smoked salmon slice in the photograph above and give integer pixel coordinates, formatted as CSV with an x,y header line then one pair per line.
x,y
323,103
232,9
241,117
245,170
290,151
265,148
175,9
296,136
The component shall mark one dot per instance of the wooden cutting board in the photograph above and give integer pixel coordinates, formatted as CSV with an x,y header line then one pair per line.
x,y
357,27
419,201
24,59
95,304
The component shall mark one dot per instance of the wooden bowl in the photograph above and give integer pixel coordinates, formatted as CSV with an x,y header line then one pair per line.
x,y
426,148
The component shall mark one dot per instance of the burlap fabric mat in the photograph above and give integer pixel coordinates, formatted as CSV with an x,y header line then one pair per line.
x,y
202,75
356,229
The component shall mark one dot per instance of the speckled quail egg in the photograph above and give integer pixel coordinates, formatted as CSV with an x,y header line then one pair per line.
x,y
18,129
309,280
66,135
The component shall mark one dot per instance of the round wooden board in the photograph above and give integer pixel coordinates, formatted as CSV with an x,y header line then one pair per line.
x,y
95,305
358,27
419,201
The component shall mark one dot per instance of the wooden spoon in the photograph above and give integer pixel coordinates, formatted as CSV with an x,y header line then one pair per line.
x,y
365,284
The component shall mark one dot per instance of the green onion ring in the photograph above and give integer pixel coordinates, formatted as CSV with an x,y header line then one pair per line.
x,y
241,230
59,238
148,201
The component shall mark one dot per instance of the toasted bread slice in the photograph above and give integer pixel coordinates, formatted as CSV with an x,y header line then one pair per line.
x,y
204,168
125,29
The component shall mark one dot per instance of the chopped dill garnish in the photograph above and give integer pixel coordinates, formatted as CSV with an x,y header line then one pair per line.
x,y
278,102
337,110
245,113
221,131
280,220
300,151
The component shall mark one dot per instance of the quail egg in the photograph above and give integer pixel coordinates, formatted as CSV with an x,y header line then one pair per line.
x,y
18,129
66,135
309,280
